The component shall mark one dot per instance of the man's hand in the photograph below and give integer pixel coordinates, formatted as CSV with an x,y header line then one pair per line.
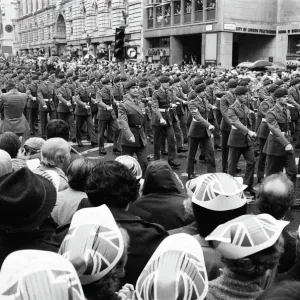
x,y
162,121
211,127
45,106
109,108
87,107
69,103
252,134
289,148
131,140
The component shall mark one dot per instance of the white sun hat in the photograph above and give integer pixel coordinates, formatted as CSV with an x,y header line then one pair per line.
x,y
94,243
36,274
246,235
218,191
132,164
176,270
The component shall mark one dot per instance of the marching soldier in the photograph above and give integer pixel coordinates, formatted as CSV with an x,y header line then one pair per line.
x,y
94,106
32,103
83,112
240,138
65,109
46,105
263,92
132,124
200,132
162,121
278,147
107,116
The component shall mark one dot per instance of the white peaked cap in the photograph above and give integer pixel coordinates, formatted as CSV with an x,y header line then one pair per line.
x,y
176,270
246,235
94,243
132,164
218,191
35,274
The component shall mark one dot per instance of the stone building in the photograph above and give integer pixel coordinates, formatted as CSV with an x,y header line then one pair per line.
x,y
75,26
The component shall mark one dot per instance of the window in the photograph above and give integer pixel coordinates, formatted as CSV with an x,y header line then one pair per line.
x,y
167,15
177,8
211,4
187,6
198,5
159,16
211,10
163,42
294,40
150,17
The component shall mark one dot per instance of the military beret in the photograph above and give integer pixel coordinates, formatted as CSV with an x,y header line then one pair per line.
x,y
123,78
285,79
185,76
35,77
273,87
131,72
209,81
221,79
243,83
240,90
84,75
117,79
200,88
144,79
176,79
193,75
61,76
156,83
171,81
230,77
100,76
13,75
198,81
38,73
52,72
226,79
279,82
295,81
232,84
45,77
129,84
267,82
143,84
105,80
63,81
82,79
247,79
164,79
69,75
21,77
92,80
281,92
75,78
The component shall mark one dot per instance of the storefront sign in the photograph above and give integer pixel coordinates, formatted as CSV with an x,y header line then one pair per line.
x,y
209,27
293,63
158,51
156,57
255,30
210,62
229,26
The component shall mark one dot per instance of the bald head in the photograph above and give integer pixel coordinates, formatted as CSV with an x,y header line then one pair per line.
x,y
5,163
55,152
275,186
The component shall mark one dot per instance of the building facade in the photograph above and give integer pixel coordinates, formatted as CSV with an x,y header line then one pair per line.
x,y
75,26
8,11
224,32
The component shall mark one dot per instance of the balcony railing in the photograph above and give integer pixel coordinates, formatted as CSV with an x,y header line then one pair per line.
x,y
210,14
167,21
176,19
150,23
199,16
187,18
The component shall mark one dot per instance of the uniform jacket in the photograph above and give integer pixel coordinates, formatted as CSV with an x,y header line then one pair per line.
x,y
132,122
278,122
144,93
32,95
238,116
117,92
199,108
12,105
104,99
263,129
64,95
162,99
45,94
82,98
93,94
185,87
294,96
263,93
179,99
225,102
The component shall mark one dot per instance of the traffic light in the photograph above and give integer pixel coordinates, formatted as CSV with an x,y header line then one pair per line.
x,y
119,52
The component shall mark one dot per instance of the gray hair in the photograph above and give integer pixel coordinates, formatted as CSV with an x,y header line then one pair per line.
x,y
5,163
53,150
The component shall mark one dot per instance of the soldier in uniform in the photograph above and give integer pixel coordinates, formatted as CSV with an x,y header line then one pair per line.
x,y
45,93
107,116
94,106
263,92
240,138
225,102
22,88
117,92
132,124
83,112
65,109
162,121
278,147
263,130
32,103
294,99
200,132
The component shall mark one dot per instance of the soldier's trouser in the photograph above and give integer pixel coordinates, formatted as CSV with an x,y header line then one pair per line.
x,y
141,154
69,119
32,116
178,134
94,117
43,119
90,127
207,145
234,156
217,137
183,126
298,131
275,164
261,160
114,127
225,150
169,132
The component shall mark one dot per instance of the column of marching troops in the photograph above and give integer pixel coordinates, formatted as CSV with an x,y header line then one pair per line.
x,y
249,115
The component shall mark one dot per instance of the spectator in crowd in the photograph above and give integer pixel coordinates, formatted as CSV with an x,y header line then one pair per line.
x,y
33,146
5,163
275,197
35,274
250,247
94,230
55,158
287,290
218,198
59,129
26,201
69,199
11,143
162,200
